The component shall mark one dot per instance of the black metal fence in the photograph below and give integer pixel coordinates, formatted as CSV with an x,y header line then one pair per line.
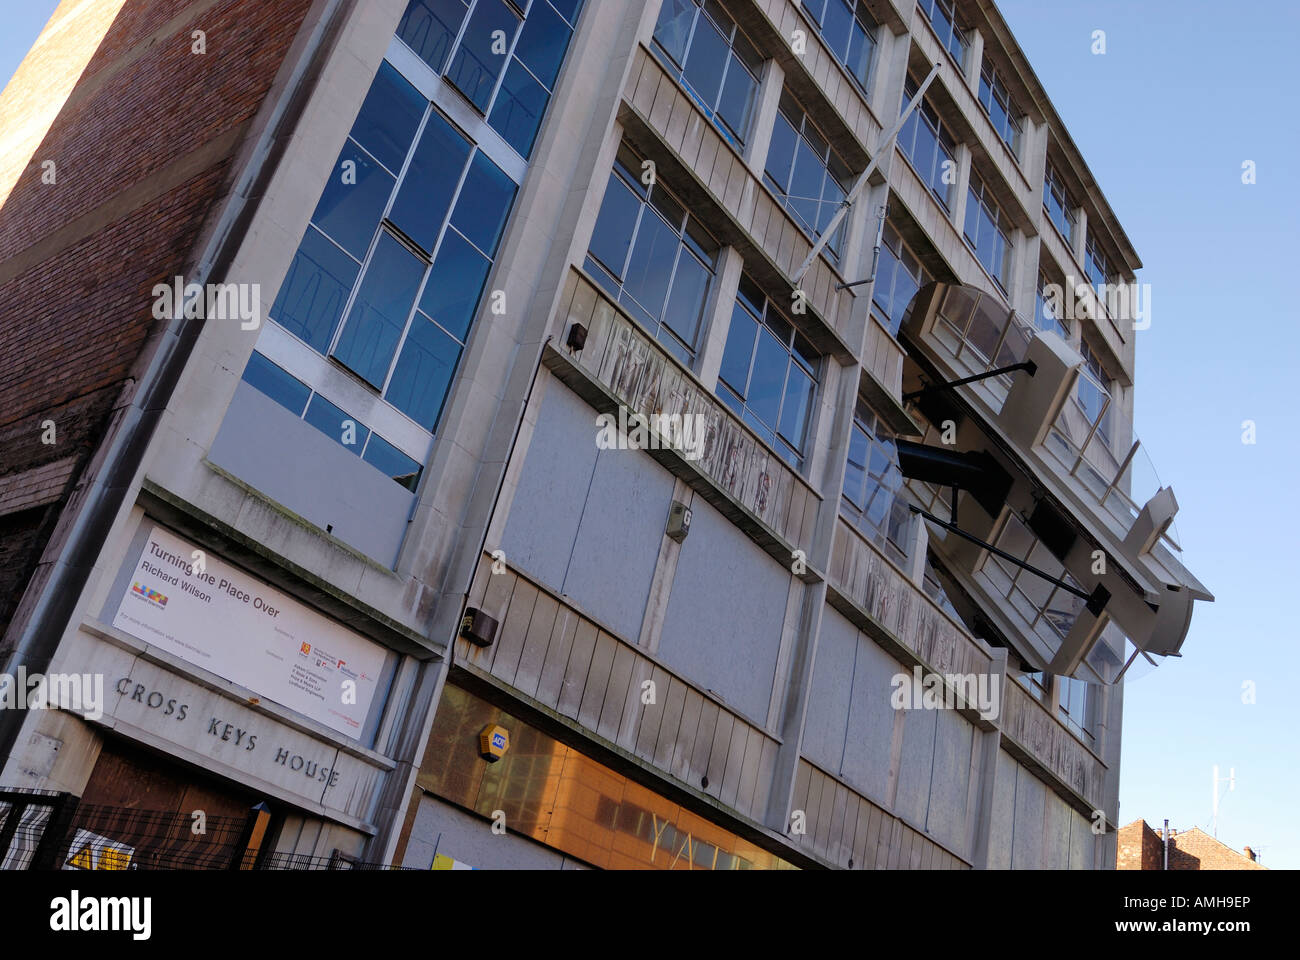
x,y
41,830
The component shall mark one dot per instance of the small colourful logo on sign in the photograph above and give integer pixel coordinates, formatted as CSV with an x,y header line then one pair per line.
x,y
159,600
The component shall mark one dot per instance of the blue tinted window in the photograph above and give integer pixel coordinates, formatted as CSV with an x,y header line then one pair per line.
x,y
278,384
423,373
484,204
379,314
343,429
388,459
430,26
569,8
769,367
740,348
315,290
614,225
430,182
517,113
542,43
476,65
354,200
455,283
389,117
718,66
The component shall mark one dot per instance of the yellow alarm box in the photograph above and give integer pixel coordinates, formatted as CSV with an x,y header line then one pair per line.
x,y
493,742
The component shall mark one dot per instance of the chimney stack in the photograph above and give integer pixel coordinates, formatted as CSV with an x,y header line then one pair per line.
x,y
1250,854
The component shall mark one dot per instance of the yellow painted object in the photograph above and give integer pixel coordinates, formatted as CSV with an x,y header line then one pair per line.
x,y
493,742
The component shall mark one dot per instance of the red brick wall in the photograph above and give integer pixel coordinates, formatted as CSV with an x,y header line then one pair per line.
x,y
1139,848
144,152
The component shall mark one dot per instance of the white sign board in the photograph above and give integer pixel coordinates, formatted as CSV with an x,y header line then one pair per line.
x,y
226,621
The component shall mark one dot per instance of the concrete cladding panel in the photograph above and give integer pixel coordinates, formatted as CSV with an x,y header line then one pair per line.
x,y
871,717
272,450
723,625
833,686
588,523
552,487
1027,841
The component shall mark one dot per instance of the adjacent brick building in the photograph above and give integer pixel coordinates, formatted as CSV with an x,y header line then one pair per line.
x,y
1142,848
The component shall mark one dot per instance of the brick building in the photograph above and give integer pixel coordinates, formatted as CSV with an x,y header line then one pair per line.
x,y
1143,848
599,345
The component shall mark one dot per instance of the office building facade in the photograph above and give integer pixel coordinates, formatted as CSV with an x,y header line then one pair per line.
x,y
559,506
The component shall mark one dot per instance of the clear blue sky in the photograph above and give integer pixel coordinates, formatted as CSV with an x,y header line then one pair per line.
x,y
1183,95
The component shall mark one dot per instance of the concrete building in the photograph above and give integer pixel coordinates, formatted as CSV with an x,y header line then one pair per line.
x,y
576,430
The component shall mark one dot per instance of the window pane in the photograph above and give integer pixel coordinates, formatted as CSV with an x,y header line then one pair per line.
x,y
861,46
797,406
379,313
278,384
423,373
806,185
483,204
430,182
517,112
542,43
475,68
739,350
569,9
614,225
855,472
455,283
388,459
354,200
767,382
737,98
705,62
652,263
389,117
315,291
686,301
781,154
836,28
674,27
429,26
343,429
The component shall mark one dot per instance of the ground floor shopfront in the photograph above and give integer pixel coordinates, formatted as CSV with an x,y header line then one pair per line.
x,y
221,717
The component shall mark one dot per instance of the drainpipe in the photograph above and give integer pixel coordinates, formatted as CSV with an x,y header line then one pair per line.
x,y
1166,866
112,482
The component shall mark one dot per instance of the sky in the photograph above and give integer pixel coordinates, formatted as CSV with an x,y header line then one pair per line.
x,y
1165,118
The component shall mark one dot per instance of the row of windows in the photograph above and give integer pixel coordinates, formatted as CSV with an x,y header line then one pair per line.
x,y
349,432
930,146
998,104
1095,390
1074,705
988,231
504,57
714,61
389,274
652,256
806,174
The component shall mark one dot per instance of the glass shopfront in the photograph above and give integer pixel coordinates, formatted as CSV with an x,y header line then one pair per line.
x,y
568,801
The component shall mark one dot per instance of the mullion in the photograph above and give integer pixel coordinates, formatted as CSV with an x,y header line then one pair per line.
x,y
380,230
509,56
428,269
